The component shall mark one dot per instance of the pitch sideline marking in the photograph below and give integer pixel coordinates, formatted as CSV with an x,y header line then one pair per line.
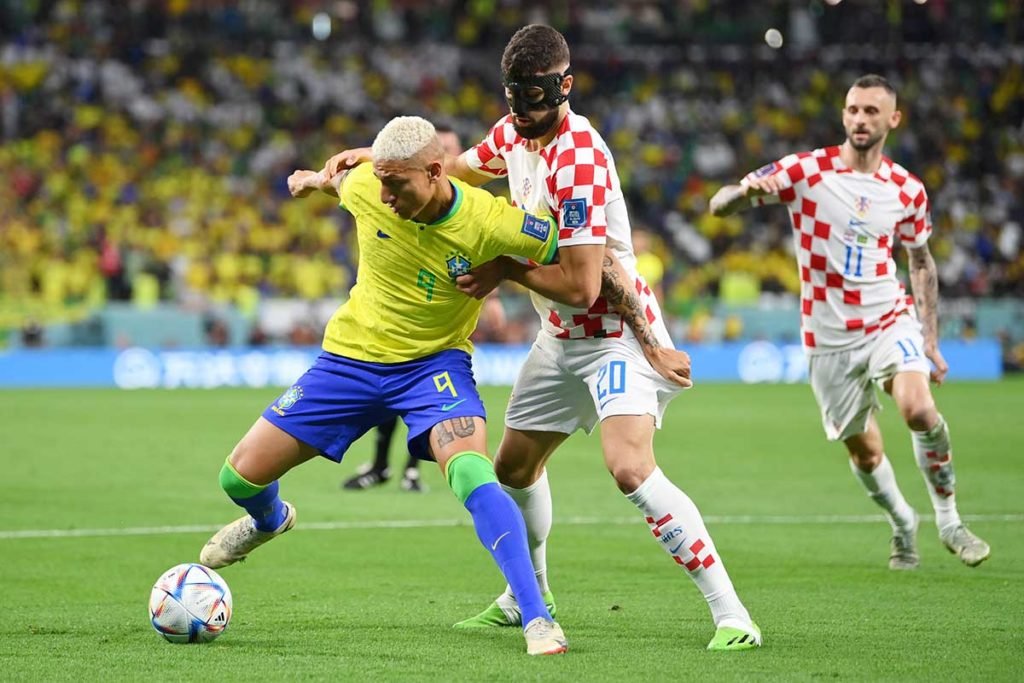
x,y
13,534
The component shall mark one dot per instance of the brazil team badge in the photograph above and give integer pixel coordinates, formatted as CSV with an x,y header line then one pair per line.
x,y
288,399
458,264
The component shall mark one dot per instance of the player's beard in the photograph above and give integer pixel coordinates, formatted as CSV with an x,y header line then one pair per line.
x,y
539,128
870,142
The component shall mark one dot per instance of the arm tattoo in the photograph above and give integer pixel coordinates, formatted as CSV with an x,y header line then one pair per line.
x,y
924,282
623,299
455,428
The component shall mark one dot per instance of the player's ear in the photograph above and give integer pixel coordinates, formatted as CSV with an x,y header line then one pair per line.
x,y
567,84
435,169
895,119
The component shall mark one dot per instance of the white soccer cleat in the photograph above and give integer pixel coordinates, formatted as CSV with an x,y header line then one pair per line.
x,y
971,550
545,637
903,548
235,541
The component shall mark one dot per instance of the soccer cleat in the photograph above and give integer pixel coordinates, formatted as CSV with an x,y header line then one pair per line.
x,y
411,481
903,548
544,637
731,638
366,477
971,549
504,612
235,541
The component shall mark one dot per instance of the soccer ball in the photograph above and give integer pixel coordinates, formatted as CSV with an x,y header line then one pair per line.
x,y
190,603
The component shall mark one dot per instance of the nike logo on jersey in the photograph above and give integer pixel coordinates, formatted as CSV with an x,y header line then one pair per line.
x,y
448,406
603,404
383,235
495,546
676,549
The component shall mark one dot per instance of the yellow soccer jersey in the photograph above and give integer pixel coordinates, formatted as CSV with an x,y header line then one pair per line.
x,y
404,304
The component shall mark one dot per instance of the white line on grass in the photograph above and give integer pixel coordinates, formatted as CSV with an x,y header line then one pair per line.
x,y
425,523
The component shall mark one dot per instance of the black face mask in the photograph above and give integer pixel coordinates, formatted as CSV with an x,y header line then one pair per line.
x,y
535,93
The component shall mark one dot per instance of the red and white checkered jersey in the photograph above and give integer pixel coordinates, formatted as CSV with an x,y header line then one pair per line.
x,y
574,178
844,226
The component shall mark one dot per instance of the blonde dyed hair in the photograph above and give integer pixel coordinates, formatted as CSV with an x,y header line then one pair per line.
x,y
403,138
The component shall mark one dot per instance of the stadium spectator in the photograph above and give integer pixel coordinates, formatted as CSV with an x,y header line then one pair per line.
x,y
160,130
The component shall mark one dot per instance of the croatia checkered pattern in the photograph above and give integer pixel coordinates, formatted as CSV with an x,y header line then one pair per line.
x,y
845,224
687,553
940,473
573,177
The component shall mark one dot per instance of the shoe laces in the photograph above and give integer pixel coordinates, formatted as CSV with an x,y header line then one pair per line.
x,y
962,536
540,628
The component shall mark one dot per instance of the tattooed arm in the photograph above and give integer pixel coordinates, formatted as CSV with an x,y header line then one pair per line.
x,y
924,282
618,290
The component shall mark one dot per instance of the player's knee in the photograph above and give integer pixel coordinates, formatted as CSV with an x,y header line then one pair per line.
x,y
467,471
234,483
240,457
866,459
516,473
920,415
630,475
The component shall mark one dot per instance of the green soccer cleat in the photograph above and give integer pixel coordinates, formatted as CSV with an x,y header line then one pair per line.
x,y
503,612
730,638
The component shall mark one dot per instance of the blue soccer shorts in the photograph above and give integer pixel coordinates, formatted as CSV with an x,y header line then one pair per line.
x,y
339,399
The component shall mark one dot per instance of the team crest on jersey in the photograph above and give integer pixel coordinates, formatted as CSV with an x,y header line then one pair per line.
x,y
458,264
574,213
287,400
862,205
536,228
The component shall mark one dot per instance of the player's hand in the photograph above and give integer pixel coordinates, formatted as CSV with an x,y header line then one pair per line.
x,y
301,183
938,374
343,161
482,280
759,187
672,364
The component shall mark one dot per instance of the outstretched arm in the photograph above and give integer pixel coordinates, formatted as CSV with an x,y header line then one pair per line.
x,y
924,282
454,165
302,183
733,198
618,290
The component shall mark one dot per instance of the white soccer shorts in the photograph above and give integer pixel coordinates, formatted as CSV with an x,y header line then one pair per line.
x,y
566,385
845,382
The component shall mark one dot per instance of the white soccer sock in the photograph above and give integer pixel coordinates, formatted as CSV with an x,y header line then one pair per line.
x,y
535,503
935,459
881,486
678,527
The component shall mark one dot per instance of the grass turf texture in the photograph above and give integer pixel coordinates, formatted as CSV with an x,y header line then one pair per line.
x,y
378,603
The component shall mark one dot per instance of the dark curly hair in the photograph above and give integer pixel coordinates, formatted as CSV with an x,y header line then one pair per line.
x,y
534,49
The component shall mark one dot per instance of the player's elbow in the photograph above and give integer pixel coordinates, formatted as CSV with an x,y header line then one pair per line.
x,y
586,294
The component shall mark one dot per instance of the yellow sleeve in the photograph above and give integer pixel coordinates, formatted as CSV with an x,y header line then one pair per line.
x,y
518,233
353,191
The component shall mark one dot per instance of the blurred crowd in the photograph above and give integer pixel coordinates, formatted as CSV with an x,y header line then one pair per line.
x,y
145,144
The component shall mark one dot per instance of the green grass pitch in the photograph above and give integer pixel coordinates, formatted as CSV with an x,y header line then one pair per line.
x,y
347,597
